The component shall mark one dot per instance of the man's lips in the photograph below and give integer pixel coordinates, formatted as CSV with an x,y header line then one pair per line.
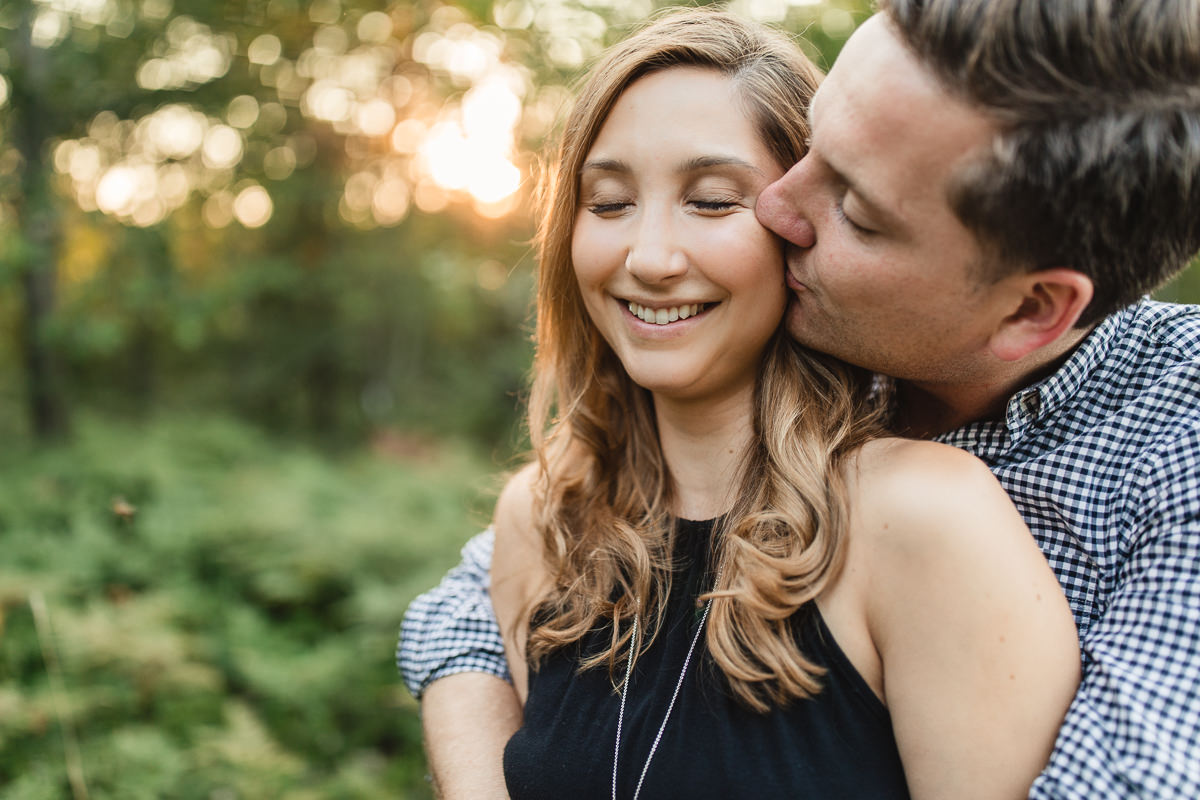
x,y
794,284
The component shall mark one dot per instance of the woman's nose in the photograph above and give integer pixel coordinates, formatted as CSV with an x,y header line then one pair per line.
x,y
656,254
655,265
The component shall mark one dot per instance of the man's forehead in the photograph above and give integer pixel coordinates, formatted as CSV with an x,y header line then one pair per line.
x,y
885,123
858,63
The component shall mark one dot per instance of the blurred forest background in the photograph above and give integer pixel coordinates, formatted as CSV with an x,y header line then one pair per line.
x,y
264,327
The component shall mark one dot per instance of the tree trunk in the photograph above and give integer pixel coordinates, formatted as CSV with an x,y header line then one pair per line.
x,y
38,222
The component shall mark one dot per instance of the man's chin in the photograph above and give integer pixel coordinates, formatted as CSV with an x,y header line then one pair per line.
x,y
815,334
796,323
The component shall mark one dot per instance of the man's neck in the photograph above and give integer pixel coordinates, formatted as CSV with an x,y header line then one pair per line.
x,y
924,410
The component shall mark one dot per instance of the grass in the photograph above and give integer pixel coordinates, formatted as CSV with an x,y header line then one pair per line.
x,y
221,610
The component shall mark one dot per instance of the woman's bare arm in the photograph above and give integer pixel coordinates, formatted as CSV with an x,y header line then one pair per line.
x,y
979,651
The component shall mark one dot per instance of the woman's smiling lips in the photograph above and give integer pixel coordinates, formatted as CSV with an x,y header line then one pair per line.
x,y
664,314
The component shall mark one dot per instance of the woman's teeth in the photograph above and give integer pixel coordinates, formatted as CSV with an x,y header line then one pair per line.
x,y
665,316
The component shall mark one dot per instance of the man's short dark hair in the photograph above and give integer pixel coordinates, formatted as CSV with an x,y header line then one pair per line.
x,y
1097,166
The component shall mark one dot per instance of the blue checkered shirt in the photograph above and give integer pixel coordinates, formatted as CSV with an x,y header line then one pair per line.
x,y
1103,461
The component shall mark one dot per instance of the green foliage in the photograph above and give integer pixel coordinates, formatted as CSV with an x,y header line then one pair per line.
x,y
224,607
1183,288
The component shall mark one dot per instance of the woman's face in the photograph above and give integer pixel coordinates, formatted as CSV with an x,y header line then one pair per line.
x,y
675,271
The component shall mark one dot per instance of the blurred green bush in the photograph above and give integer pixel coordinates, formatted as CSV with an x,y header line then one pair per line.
x,y
223,606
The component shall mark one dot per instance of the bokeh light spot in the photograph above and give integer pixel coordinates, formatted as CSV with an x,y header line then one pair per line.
x,y
156,9
49,28
375,117
326,100
446,152
763,10
390,202
264,50
155,74
149,211
242,111
116,190
837,23
496,209
490,110
430,197
397,89
330,39
491,275
514,14
174,186
565,52
325,12
222,147
253,207
360,191
493,180
408,135
375,26
85,163
218,210
176,131
279,163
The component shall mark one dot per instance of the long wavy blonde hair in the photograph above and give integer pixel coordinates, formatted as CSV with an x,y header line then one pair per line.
x,y
604,494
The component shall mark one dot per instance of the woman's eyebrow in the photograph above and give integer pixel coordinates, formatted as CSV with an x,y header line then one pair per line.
x,y
605,165
708,162
694,164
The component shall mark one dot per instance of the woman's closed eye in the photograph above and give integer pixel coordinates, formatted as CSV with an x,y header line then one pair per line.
x,y
715,204
609,208
716,201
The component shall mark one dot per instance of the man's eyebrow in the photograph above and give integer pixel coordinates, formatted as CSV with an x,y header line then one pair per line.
x,y
874,207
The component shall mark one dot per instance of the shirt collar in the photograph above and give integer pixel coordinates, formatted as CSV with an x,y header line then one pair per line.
x,y
1047,396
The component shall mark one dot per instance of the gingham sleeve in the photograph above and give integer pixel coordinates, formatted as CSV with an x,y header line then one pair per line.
x,y
1134,727
452,628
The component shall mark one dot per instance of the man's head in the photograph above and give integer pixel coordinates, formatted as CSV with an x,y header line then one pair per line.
x,y
1097,165
1024,167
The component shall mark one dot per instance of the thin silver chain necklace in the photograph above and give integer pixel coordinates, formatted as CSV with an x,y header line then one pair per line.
x,y
635,640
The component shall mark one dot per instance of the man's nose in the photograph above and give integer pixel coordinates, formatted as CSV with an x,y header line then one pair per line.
x,y
780,208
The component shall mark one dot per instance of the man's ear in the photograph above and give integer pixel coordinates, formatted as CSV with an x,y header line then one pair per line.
x,y
1050,302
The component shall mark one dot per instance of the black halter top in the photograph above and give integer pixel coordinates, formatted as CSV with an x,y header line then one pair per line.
x,y
837,744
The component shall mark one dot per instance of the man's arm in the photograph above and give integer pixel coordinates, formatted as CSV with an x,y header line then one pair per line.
x,y
468,718
452,659
451,628
1133,729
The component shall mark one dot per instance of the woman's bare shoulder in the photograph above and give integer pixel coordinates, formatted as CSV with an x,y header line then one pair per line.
x,y
895,460
926,490
517,563
518,571
513,517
